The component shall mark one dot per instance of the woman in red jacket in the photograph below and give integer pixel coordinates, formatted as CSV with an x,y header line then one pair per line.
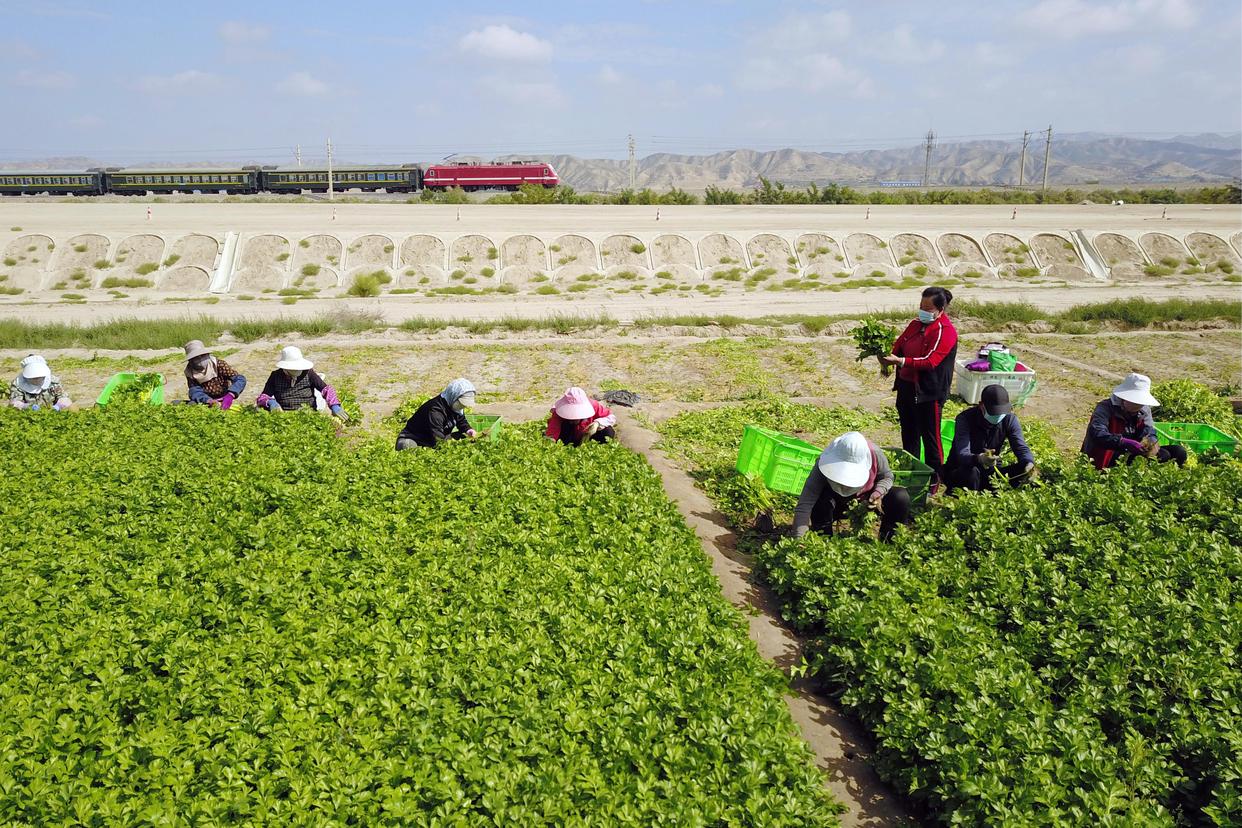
x,y
924,358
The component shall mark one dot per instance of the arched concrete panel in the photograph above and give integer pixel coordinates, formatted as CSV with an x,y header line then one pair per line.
x,y
875,270
770,250
181,279
32,251
1236,241
1068,273
258,279
311,276
1122,254
1053,249
521,276
140,251
1211,251
24,280
1007,249
622,273
911,248
80,253
866,249
720,253
471,254
321,250
681,274
819,253
424,253
573,250
373,250
624,250
194,250
264,252
523,251
1164,249
424,276
958,248
574,271
972,270
672,249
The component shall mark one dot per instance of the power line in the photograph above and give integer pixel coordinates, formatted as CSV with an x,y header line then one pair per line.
x,y
1026,139
1047,156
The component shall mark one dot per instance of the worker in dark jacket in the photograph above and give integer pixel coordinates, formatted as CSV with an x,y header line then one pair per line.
x,y
442,417
1121,427
979,438
924,357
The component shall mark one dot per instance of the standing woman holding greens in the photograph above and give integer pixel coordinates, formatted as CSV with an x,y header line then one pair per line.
x,y
924,357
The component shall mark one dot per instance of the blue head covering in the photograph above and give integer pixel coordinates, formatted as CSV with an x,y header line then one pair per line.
x,y
456,389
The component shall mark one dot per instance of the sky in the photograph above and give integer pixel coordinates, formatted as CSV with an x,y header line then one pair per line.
x,y
418,81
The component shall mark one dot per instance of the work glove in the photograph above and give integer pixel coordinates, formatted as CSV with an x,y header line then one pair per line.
x,y
35,407
986,460
470,432
1150,447
876,501
592,428
1132,446
20,405
272,405
61,405
339,413
226,402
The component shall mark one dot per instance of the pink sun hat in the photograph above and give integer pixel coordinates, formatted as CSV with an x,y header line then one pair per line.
x,y
574,405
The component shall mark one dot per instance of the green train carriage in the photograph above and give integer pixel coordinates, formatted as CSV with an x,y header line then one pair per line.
x,y
40,182
140,182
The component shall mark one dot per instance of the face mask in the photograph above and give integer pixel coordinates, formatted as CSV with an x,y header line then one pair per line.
x,y
994,419
459,406
926,317
844,491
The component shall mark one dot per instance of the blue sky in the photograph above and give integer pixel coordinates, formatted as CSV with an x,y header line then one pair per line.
x,y
405,81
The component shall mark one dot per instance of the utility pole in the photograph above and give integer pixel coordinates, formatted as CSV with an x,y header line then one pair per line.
x,y
331,190
1026,139
1047,155
633,165
931,142
297,153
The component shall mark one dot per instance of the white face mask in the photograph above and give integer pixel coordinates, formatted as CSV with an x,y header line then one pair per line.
x,y
844,491
462,403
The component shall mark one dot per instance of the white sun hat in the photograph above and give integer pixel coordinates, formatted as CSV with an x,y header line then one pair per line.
x,y
291,359
35,367
847,460
1136,388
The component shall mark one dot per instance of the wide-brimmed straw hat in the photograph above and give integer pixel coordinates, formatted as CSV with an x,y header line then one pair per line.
x,y
847,460
1136,388
291,359
194,349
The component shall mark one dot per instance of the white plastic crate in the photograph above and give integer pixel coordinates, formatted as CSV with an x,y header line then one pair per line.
x,y
970,384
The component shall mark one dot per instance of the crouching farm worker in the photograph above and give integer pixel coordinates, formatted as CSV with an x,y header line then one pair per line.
x,y
36,388
576,418
295,385
1121,427
442,417
979,439
211,381
851,468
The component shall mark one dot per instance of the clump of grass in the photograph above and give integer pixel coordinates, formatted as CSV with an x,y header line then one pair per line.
x,y
293,291
507,287
955,254
492,254
101,264
304,243
146,268
457,274
15,229
555,248
487,272
546,290
920,270
1158,270
467,258
126,282
283,257
7,290
172,260
369,284
388,248
1026,272
638,247
310,270
72,296
9,261
245,297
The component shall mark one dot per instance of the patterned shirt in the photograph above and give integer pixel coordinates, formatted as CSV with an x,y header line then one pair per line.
x,y
226,380
45,398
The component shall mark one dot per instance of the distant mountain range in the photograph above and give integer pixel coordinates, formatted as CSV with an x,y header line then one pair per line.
x,y
1077,159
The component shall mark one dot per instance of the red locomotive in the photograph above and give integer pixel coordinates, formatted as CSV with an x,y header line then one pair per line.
x,y
504,175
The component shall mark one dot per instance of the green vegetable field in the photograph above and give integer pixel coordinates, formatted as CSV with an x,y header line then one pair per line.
x,y
1066,654
235,618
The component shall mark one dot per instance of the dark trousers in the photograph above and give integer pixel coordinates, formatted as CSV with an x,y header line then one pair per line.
x,y
601,436
920,427
894,508
1166,453
977,479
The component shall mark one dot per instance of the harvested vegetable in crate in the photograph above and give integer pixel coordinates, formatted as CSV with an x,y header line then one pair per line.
x,y
874,338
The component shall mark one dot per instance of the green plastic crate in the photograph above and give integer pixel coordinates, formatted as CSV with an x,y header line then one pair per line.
x,y
117,381
756,450
781,461
910,473
947,429
488,425
1197,437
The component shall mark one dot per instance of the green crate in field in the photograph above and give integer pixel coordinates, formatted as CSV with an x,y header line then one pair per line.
x,y
781,461
756,449
947,429
488,425
910,473
155,396
1197,437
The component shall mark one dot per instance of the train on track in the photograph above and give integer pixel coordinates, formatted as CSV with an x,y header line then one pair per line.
x,y
406,178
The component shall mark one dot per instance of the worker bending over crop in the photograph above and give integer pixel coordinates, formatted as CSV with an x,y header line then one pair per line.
x,y
36,388
923,355
1121,427
295,385
979,438
576,418
851,468
442,417
211,381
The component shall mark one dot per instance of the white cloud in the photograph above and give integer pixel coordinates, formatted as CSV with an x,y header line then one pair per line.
x,y
1076,18
1136,60
304,84
903,45
533,93
503,42
710,90
190,79
609,76
800,32
990,54
36,79
241,33
809,73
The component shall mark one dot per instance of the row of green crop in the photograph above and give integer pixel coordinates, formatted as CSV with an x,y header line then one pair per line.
x,y
1064,654
241,619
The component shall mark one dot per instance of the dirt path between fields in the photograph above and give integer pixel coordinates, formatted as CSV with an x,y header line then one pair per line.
x,y
841,746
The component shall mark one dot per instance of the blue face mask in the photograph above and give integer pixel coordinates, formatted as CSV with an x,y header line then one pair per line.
x,y
994,419
926,317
